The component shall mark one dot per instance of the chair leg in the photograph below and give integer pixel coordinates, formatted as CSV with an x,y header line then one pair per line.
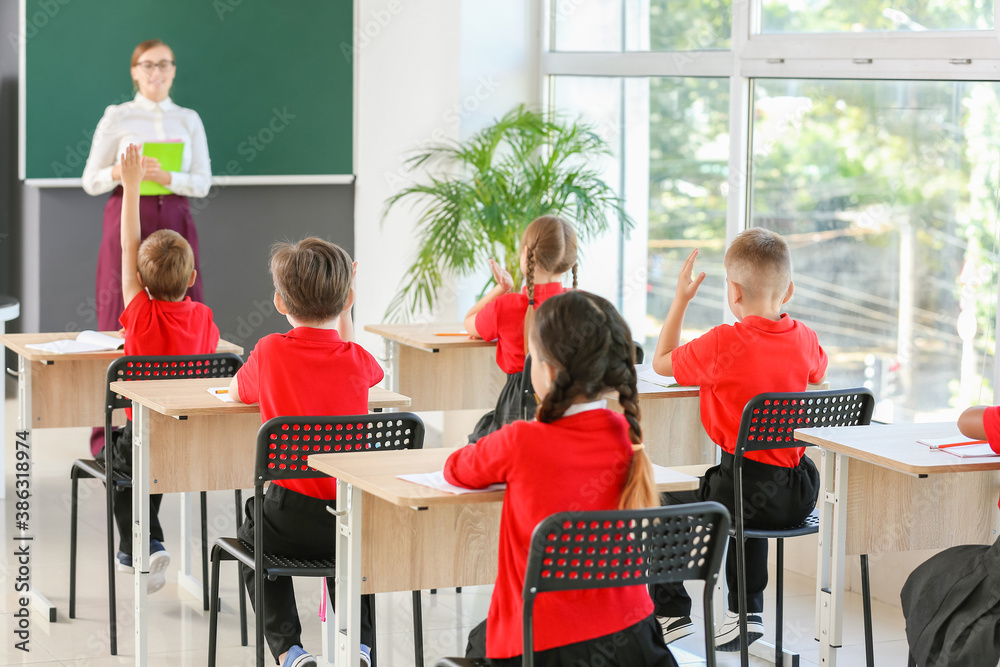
x,y
866,593
112,602
213,615
239,579
72,543
418,631
204,550
741,579
779,604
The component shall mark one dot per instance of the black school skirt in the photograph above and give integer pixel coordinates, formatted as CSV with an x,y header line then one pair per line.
x,y
508,408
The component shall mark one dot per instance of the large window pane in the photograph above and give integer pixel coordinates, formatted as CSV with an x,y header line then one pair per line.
x,y
642,25
671,141
864,15
885,191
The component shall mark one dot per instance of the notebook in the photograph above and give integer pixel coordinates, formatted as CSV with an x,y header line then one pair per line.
x,y
86,341
950,441
646,372
169,153
435,480
972,451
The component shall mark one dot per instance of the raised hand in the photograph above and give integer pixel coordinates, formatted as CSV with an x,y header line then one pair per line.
x,y
501,276
687,286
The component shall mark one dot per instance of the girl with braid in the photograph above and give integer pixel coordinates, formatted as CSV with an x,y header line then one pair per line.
x,y
548,250
576,456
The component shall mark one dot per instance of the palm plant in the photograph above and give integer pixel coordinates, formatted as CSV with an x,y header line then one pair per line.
x,y
483,192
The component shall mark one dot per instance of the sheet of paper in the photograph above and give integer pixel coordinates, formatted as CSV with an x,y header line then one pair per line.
x,y
86,341
971,451
221,393
646,372
934,443
664,475
436,480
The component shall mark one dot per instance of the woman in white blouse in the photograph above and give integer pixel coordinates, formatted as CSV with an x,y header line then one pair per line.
x,y
150,117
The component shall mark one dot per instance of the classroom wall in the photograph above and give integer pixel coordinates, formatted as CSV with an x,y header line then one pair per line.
x,y
428,70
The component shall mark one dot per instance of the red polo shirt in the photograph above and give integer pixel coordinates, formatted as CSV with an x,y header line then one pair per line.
x,y
308,372
502,320
155,328
577,463
732,364
991,424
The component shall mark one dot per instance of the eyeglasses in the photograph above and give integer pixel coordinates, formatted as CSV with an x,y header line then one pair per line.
x,y
163,65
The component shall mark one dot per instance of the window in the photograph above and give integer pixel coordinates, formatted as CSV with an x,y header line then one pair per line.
x,y
862,16
642,25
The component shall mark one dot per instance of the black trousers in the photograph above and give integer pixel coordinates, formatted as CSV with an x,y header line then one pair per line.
x,y
295,525
121,451
639,645
774,497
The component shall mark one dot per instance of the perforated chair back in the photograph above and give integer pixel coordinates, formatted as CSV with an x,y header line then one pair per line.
x,y
221,365
284,444
605,549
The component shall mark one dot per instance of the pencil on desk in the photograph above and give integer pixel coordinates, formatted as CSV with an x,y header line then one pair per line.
x,y
961,444
221,391
455,333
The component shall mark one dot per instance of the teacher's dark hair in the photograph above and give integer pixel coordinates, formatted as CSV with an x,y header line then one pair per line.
x,y
141,49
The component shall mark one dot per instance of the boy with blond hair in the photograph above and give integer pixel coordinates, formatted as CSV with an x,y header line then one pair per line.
x,y
158,320
765,351
313,370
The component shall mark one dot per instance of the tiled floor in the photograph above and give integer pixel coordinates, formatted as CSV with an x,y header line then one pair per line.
x,y
179,627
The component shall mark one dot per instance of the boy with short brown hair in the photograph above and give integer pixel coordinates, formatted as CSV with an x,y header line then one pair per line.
x,y
765,351
313,370
158,320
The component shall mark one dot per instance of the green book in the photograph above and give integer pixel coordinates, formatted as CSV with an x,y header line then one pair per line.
x,y
169,153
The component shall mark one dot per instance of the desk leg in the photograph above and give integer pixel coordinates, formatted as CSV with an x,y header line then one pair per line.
x,y
25,422
832,550
186,578
348,575
140,526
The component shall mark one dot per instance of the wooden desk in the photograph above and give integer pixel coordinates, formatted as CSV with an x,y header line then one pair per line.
x,y
60,391
419,359
201,444
439,540
899,496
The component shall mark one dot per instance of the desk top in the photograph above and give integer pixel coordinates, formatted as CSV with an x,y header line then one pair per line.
x,y
375,472
425,335
895,446
17,342
176,398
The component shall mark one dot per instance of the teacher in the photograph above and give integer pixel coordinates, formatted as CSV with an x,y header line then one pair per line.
x,y
150,117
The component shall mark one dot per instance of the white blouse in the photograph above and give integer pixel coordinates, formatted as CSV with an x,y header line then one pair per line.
x,y
143,120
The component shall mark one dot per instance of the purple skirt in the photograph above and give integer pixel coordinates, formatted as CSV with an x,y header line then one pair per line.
x,y
155,212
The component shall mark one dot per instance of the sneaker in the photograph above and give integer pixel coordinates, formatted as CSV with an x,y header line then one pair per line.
x,y
297,657
159,560
366,656
727,637
675,627
125,562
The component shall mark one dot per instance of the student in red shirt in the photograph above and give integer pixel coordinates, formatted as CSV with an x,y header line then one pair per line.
x,y
548,250
576,456
765,351
158,320
314,369
982,422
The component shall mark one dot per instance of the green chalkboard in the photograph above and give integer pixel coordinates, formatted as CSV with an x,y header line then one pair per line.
x,y
246,66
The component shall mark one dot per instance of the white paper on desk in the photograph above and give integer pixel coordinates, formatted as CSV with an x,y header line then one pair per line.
x,y
664,475
935,443
86,341
646,372
971,451
436,480
221,393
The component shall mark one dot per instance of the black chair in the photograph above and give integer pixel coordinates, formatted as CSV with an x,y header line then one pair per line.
x,y
222,365
299,437
768,422
669,544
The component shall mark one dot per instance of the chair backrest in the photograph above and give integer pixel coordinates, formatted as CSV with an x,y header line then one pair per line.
x,y
221,365
769,420
640,354
605,549
284,444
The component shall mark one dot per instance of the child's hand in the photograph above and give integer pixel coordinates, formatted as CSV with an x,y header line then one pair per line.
x,y
133,167
687,286
501,276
